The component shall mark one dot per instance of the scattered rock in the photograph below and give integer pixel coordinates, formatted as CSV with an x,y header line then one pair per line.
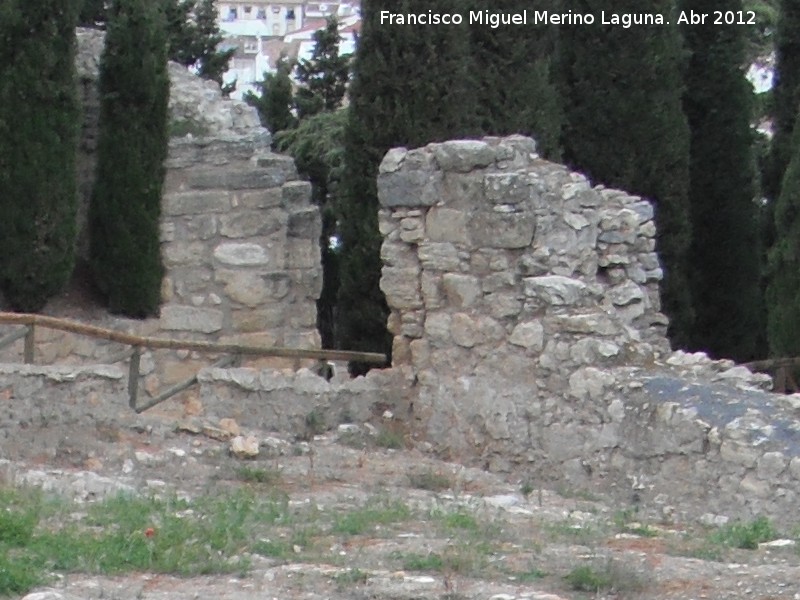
x,y
244,447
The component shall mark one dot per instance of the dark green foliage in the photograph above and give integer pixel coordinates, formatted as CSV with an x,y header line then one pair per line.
x,y
92,12
126,205
624,127
317,146
274,105
39,116
194,37
783,291
515,94
725,252
411,86
785,93
322,79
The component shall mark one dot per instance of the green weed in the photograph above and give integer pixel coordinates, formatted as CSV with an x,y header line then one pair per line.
x,y
365,518
746,536
433,481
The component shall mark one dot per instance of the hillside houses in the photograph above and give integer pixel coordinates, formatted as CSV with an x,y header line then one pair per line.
x,y
262,30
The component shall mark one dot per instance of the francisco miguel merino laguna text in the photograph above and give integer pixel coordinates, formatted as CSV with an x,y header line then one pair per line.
x,y
537,17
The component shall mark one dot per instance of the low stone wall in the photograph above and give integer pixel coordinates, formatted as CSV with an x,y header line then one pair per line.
x,y
273,400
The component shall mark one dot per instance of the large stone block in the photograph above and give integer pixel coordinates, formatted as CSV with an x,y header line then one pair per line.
x,y
244,287
409,188
446,225
463,156
401,286
191,318
507,188
241,255
305,223
196,202
303,253
555,289
295,194
211,178
239,225
461,290
439,256
502,230
529,335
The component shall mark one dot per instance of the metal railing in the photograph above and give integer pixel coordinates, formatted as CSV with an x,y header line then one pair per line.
x,y
29,323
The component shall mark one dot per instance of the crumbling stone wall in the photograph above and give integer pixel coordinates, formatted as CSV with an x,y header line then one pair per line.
x,y
239,235
525,303
506,274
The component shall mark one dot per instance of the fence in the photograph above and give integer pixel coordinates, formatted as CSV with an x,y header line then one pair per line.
x,y
29,323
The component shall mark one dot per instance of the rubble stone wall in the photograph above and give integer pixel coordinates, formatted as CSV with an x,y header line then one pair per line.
x,y
239,235
525,302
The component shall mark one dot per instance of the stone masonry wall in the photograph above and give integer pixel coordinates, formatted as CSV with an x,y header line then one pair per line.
x,y
498,262
240,237
525,303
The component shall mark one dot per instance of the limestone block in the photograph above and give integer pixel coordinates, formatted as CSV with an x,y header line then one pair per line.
x,y
461,290
439,256
497,281
587,351
196,202
770,466
302,316
464,330
183,253
576,221
269,198
303,253
191,318
244,287
429,286
295,194
241,254
503,305
586,323
643,209
446,225
529,335
409,188
506,188
398,254
626,293
500,230
420,352
590,383
463,156
393,160
249,224
555,289
305,223
227,178
437,327
413,324
401,286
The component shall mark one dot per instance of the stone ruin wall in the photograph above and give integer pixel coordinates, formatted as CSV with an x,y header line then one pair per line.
x,y
506,275
240,237
524,305
525,311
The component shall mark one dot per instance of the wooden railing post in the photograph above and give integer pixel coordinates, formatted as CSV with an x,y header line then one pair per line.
x,y
133,377
30,341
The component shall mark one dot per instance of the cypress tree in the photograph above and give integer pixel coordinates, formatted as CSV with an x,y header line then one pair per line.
x,y
625,127
274,105
515,92
410,86
725,251
786,94
783,291
126,204
323,78
39,116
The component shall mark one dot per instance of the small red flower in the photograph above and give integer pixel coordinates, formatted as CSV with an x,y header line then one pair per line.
x,y
149,532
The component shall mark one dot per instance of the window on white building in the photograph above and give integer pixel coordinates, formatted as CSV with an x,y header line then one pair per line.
x,y
290,14
262,13
248,10
232,14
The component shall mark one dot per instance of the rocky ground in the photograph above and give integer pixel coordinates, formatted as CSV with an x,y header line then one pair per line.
x,y
461,533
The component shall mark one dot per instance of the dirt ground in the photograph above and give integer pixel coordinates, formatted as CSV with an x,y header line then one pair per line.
x,y
508,539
